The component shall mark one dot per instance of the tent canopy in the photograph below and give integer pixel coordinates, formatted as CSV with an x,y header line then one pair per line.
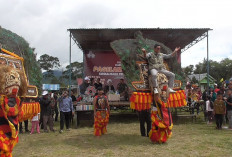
x,y
99,39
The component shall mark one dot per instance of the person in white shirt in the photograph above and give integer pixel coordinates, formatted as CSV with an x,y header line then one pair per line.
x,y
35,122
209,109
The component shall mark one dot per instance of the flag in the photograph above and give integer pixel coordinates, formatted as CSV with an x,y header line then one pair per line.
x,y
221,80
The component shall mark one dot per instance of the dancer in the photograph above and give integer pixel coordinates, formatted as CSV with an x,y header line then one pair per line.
x,y
101,112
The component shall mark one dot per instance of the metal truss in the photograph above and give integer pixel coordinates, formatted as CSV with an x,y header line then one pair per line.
x,y
194,42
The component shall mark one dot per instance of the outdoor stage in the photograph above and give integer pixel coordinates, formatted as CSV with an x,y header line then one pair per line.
x,y
87,113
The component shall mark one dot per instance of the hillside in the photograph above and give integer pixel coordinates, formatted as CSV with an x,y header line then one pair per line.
x,y
17,44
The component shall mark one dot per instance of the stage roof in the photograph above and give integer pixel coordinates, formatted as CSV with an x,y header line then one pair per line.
x,y
100,38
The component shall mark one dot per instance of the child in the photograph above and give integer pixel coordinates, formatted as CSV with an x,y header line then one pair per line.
x,y
101,112
194,99
219,109
209,109
35,122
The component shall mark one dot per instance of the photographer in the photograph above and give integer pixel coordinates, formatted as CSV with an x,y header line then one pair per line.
x,y
66,106
46,111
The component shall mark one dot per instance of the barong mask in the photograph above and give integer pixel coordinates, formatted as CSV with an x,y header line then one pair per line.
x,y
12,82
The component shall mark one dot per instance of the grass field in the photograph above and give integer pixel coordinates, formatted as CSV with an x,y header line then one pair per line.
x,y
123,139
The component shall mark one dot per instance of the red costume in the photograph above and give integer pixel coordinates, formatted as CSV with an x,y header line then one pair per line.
x,y
101,117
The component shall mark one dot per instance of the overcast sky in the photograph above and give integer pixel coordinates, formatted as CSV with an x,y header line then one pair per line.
x,y
44,23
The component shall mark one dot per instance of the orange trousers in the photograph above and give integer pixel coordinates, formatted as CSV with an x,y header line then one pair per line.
x,y
101,120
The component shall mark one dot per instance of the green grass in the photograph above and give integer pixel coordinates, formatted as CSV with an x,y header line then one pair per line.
x,y
123,139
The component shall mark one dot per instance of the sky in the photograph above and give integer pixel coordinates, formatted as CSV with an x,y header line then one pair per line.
x,y
44,23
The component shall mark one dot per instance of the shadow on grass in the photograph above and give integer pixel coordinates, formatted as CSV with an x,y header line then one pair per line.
x,y
109,141
124,117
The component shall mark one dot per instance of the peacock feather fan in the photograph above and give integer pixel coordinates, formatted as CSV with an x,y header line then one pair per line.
x,y
130,50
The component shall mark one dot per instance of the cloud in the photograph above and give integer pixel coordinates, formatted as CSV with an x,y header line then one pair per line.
x,y
44,23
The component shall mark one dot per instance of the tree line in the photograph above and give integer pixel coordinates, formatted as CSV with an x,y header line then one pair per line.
x,y
218,70
50,64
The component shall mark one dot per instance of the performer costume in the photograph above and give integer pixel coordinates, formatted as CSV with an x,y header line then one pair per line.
x,y
155,62
153,83
11,83
161,123
101,118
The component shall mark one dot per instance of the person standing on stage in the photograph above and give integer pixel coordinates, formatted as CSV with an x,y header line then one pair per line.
x,y
155,62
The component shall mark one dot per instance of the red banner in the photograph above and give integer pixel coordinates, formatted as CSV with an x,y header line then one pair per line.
x,y
104,65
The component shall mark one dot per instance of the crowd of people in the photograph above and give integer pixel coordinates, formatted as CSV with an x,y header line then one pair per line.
x,y
54,105
217,103
108,88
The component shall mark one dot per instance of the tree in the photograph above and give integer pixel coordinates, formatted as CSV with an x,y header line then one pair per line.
x,y
217,70
48,63
201,67
76,70
188,70
226,67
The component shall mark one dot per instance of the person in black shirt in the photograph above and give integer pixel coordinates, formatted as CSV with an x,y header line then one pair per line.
x,y
84,85
98,83
74,101
145,117
229,108
46,111
73,97
123,89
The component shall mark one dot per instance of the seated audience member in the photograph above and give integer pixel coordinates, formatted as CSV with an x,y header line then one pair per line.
x,y
91,82
84,85
123,89
109,88
98,83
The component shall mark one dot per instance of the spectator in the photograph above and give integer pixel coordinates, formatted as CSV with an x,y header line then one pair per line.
x,y
91,82
46,109
194,100
84,85
189,97
229,88
199,93
229,108
145,116
109,88
25,125
35,123
209,109
212,94
55,108
216,88
123,89
98,83
219,109
74,99
66,106
204,97
226,96
74,102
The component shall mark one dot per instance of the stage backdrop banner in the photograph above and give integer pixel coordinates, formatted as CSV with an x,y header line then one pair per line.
x,y
104,65
51,87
